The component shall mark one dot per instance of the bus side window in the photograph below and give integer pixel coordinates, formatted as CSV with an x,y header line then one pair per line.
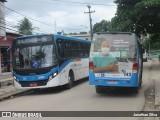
x,y
60,48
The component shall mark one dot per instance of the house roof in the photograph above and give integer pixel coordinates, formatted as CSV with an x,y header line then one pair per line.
x,y
15,34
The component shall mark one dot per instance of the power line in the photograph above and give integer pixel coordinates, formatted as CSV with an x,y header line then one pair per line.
x,y
26,16
36,20
14,27
15,30
9,29
82,3
11,25
6,23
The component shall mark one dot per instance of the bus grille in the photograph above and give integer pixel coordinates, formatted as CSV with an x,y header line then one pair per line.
x,y
38,83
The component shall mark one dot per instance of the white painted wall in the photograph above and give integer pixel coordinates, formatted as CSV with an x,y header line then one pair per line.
x,y
2,20
0,62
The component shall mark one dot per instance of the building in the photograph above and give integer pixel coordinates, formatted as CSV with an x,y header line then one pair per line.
x,y
83,36
2,19
5,55
6,39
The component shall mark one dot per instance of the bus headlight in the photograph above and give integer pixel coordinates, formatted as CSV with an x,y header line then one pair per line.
x,y
52,76
16,79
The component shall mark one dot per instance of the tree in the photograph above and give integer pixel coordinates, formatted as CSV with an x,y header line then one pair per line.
x,y
73,33
103,26
141,16
148,14
119,25
82,33
25,26
125,19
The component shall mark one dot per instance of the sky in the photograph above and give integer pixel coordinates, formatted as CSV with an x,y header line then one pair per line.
x,y
52,16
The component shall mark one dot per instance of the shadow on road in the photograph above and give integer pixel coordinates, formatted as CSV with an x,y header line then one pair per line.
x,y
120,92
52,90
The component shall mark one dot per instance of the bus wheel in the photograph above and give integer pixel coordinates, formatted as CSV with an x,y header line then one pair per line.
x,y
140,81
136,90
100,89
140,84
70,83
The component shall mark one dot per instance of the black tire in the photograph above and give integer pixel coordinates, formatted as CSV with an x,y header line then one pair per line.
x,y
136,90
100,89
70,83
140,81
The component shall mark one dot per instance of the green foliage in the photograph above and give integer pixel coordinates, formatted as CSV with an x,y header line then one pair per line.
x,y
83,33
146,43
139,16
103,26
25,27
73,34
125,19
148,15
152,42
121,26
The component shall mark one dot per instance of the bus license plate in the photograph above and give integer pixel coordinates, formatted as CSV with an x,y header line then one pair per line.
x,y
33,84
112,82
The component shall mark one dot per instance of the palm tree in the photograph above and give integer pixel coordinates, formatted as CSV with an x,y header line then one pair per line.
x,y
25,26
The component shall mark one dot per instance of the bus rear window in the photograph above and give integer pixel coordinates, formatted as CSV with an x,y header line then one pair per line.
x,y
121,46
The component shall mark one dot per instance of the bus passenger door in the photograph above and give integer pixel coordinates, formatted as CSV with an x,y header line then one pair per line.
x,y
63,75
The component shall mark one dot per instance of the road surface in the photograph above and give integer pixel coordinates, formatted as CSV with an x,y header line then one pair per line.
x,y
83,97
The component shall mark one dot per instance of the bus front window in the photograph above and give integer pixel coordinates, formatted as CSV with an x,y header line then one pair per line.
x,y
35,56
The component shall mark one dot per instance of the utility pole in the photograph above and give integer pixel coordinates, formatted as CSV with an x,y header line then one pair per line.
x,y
90,20
55,25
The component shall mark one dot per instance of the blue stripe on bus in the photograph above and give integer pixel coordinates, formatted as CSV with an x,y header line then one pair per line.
x,y
35,77
66,63
123,82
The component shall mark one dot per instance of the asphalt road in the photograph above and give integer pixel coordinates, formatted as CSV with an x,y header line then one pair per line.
x,y
82,97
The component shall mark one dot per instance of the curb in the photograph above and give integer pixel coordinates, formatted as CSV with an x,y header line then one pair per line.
x,y
6,82
157,92
6,73
10,91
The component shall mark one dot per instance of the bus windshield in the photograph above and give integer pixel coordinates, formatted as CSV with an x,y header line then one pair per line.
x,y
121,46
34,56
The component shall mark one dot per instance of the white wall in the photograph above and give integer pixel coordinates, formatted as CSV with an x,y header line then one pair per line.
x,y
0,62
2,20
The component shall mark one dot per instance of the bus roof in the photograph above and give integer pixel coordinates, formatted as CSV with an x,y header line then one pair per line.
x,y
27,36
71,38
115,33
56,35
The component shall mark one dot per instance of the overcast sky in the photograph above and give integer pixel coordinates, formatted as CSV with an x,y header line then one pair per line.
x,y
58,15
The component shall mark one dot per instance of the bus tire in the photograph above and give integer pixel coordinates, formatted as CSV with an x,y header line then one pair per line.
x,y
99,89
140,81
136,90
70,83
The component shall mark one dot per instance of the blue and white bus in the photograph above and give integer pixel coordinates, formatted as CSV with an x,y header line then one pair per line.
x,y
41,61
116,60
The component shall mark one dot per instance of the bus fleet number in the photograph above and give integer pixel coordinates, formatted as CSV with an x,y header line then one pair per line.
x,y
127,74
